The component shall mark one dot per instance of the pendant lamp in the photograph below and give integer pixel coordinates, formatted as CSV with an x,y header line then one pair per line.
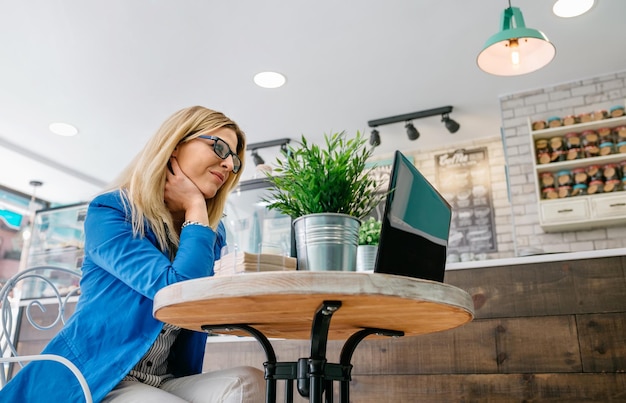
x,y
515,50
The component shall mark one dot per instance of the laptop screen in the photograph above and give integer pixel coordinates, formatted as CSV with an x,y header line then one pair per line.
x,y
416,223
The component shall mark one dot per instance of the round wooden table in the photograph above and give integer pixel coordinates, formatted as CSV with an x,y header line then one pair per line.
x,y
282,304
300,305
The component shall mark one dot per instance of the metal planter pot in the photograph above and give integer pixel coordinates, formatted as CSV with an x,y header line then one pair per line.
x,y
326,242
366,257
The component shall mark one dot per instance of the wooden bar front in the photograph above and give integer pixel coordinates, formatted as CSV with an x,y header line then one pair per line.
x,y
542,332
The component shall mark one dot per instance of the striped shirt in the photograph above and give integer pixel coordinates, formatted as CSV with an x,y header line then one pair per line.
x,y
152,368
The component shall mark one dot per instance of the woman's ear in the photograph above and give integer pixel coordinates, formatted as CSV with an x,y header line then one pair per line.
x,y
169,163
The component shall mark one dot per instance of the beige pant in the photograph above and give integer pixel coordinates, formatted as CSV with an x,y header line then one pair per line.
x,y
235,385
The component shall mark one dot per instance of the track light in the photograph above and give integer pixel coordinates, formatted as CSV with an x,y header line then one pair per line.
x,y
256,158
451,125
411,131
375,138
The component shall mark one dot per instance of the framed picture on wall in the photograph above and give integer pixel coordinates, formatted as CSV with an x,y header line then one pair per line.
x,y
463,178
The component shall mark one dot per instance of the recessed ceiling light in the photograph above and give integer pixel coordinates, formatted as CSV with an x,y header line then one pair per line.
x,y
269,79
571,8
63,129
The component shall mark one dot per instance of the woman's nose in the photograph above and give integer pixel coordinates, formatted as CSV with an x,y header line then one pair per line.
x,y
228,163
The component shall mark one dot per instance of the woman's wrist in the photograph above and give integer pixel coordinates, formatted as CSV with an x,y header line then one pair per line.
x,y
190,222
197,212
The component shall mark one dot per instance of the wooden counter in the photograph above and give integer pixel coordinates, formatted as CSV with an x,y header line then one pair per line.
x,y
543,331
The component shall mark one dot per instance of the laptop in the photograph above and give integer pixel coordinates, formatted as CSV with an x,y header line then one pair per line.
x,y
415,225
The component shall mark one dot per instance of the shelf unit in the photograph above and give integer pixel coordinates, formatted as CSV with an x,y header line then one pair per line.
x,y
578,212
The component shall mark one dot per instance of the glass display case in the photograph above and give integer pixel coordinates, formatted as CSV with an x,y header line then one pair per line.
x,y
251,226
57,240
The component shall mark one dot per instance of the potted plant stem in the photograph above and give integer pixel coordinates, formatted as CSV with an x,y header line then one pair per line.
x,y
326,190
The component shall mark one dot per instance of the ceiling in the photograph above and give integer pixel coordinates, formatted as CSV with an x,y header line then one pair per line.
x,y
117,68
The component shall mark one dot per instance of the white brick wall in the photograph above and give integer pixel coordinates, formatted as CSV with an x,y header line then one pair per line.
x,y
564,99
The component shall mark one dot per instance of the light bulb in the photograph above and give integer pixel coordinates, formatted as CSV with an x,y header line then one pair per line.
x,y
514,45
515,57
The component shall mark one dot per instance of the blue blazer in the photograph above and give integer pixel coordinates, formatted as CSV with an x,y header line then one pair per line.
x,y
113,326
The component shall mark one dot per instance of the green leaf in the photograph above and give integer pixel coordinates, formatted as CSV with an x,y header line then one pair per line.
x,y
310,179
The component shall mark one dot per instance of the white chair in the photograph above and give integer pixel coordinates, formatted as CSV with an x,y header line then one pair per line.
x,y
50,295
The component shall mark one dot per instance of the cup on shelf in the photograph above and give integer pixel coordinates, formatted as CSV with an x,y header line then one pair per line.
x,y
570,120
572,145
590,143
612,185
558,151
579,189
616,111
599,114
619,134
554,121
595,186
594,172
607,148
543,151
546,179
539,125
549,193
606,134
584,117
580,176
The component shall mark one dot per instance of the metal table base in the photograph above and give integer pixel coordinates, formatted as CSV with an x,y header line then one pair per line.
x,y
314,376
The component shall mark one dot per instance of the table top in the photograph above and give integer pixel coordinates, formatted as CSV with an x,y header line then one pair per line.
x,y
282,304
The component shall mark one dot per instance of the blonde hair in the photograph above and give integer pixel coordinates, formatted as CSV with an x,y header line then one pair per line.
x,y
142,183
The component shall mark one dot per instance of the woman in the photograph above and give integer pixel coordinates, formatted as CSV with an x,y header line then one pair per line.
x,y
159,225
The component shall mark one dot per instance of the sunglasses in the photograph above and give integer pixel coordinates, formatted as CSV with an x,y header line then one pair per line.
x,y
223,150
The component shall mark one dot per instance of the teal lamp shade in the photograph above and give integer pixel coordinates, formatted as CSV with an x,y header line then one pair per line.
x,y
515,50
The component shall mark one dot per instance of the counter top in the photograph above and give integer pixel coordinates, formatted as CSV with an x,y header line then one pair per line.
x,y
547,257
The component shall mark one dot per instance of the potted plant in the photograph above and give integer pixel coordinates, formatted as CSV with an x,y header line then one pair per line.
x,y
326,190
369,237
